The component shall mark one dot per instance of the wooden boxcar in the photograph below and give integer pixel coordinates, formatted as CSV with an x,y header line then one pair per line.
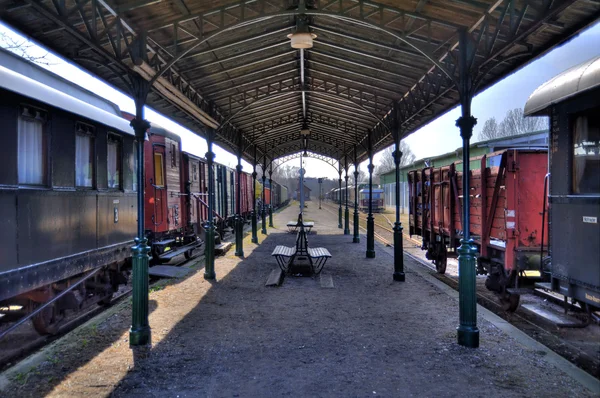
x,y
505,215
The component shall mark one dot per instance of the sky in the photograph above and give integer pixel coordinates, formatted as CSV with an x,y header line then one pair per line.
x,y
438,137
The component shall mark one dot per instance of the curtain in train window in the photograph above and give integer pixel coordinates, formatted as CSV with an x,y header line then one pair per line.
x,y
586,154
84,160
135,166
158,170
114,163
32,148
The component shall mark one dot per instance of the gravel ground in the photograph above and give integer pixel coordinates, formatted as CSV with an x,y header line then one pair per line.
x,y
367,336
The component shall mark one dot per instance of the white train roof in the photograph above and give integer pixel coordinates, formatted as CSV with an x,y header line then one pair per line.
x,y
29,87
573,81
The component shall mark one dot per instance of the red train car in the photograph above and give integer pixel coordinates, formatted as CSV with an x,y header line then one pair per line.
x,y
267,196
169,225
246,192
505,216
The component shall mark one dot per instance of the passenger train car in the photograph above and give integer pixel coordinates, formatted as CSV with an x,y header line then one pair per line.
x,y
572,101
339,195
68,195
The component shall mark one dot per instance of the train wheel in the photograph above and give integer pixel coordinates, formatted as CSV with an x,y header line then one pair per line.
x,y
45,321
441,259
510,302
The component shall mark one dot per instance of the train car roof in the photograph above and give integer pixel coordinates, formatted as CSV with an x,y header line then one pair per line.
x,y
374,190
29,87
36,72
573,81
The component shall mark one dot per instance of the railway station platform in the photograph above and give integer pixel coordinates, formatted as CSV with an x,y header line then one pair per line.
x,y
360,335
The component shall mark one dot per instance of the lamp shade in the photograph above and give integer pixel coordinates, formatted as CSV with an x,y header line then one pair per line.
x,y
302,39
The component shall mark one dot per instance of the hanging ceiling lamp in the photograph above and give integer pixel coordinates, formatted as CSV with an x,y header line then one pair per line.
x,y
302,37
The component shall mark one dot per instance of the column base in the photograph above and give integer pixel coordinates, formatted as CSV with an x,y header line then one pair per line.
x,y
356,239
209,276
370,253
141,336
399,277
254,240
468,336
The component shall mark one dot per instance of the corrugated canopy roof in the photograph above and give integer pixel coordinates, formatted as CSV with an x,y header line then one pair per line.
x,y
386,66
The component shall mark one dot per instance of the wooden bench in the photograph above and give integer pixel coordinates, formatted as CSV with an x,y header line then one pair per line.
x,y
293,226
285,256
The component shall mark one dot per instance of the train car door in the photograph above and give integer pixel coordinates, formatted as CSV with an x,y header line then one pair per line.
x,y
158,192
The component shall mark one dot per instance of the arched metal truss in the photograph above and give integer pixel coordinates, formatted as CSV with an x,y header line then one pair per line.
x,y
395,67
284,159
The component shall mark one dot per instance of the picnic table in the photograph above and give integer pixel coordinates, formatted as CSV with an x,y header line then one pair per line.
x,y
286,255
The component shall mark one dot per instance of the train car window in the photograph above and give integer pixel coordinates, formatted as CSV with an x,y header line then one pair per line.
x,y
114,163
135,166
159,181
32,146
586,153
194,172
84,155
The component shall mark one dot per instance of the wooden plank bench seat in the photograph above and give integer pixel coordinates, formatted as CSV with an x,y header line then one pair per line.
x,y
319,256
283,255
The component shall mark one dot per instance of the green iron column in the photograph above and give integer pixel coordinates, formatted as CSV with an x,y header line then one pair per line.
x,y
370,219
271,204
346,210
340,225
209,241
140,334
254,215
467,331
239,221
264,197
356,238
398,249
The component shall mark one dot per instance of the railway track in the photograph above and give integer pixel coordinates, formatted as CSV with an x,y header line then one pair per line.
x,y
527,321
9,355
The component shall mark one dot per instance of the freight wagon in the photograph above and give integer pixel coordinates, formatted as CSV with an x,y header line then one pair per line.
x,y
505,216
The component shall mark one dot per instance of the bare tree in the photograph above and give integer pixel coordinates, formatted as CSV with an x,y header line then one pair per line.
x,y
387,159
489,130
22,48
514,123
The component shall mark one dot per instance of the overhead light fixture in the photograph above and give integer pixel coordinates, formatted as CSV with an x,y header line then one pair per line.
x,y
305,131
302,37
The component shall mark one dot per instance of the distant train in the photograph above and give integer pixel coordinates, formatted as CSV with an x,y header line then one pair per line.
x,y
68,197
378,198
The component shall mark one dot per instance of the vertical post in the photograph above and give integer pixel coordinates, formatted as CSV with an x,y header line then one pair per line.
x,y
467,331
271,200
398,249
254,221
340,196
239,221
263,213
209,241
356,238
140,334
370,219
320,191
301,185
347,211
